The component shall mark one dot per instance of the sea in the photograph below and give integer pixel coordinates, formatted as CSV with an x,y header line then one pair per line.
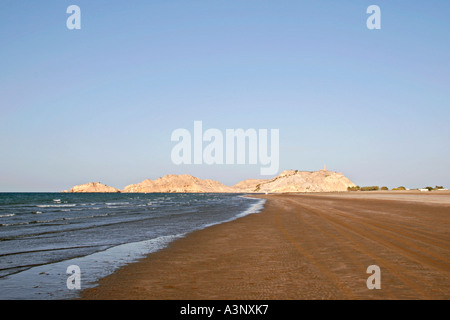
x,y
42,235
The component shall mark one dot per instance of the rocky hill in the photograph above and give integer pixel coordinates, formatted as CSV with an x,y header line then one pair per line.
x,y
248,185
93,187
178,183
299,181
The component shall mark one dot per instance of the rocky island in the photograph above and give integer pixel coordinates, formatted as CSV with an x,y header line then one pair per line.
x,y
96,187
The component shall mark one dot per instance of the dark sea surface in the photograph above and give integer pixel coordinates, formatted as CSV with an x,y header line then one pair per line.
x,y
42,234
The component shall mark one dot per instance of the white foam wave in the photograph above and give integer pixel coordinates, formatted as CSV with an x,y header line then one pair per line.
x,y
7,215
254,208
116,203
55,205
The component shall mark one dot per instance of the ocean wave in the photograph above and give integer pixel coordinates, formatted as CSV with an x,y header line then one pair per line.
x,y
7,215
52,220
254,208
117,207
79,218
55,205
116,203
13,224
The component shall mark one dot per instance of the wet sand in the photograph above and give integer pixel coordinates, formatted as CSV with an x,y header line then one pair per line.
x,y
305,246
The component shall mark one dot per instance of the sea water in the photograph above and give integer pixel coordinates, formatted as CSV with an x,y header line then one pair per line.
x,y
41,234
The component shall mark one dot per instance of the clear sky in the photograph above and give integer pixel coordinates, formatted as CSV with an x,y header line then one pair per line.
x,y
100,103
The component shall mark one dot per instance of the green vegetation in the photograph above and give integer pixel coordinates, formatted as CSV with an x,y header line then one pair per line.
x,y
375,188
435,188
371,188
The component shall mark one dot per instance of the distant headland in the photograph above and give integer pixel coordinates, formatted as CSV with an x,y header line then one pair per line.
x,y
287,181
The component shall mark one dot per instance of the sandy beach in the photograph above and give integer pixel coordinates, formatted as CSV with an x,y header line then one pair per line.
x,y
303,246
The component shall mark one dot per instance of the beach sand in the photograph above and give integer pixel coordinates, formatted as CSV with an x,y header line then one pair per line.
x,y
305,246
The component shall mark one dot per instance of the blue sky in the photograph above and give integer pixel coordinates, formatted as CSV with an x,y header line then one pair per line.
x,y
100,103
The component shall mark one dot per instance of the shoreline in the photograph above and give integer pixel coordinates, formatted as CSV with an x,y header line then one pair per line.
x,y
303,246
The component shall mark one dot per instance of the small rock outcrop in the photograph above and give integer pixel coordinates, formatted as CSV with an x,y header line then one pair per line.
x,y
96,187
